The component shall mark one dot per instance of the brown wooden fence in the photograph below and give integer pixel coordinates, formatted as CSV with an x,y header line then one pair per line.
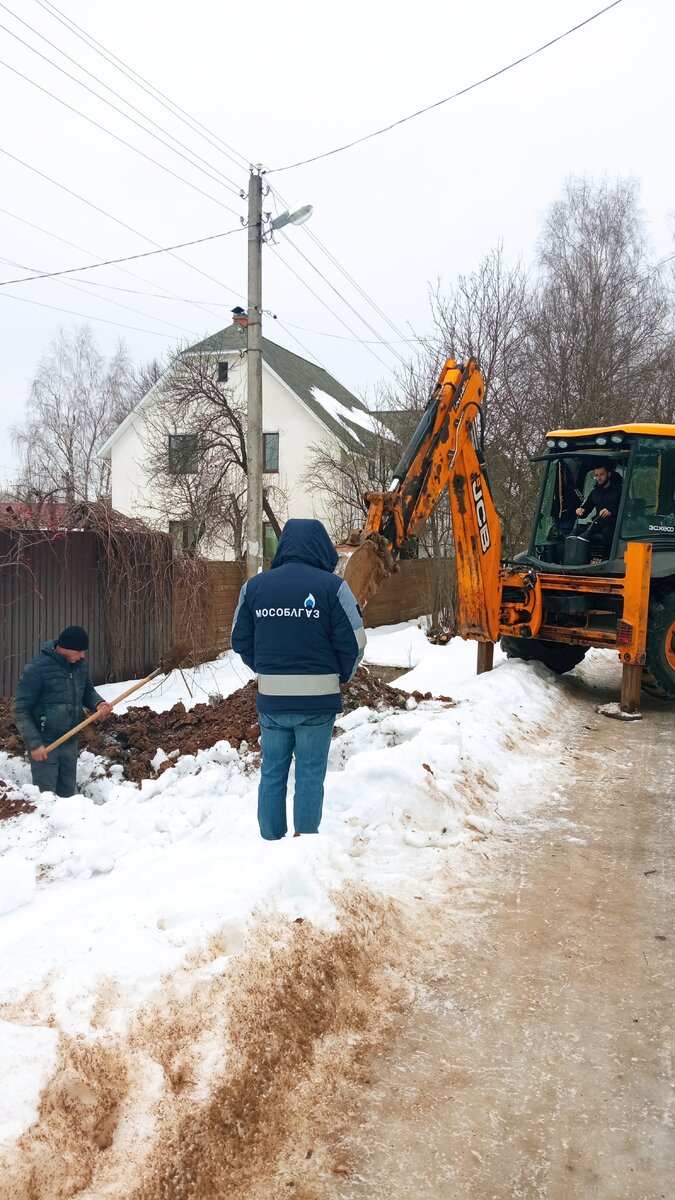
x,y
402,597
407,594
48,583
206,625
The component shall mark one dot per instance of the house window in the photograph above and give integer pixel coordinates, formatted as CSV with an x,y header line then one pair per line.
x,y
222,371
184,534
183,453
270,541
270,451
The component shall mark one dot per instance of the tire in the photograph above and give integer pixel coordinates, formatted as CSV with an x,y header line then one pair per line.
x,y
661,647
557,656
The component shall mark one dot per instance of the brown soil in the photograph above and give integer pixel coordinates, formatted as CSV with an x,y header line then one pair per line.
x,y
132,739
12,802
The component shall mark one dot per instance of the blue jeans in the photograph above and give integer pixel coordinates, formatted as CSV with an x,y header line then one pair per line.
x,y
283,734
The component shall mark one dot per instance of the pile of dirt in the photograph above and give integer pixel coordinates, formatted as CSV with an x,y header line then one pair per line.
x,y
12,802
132,739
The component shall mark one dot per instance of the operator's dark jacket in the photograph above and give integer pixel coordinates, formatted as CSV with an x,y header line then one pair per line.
x,y
298,625
50,697
605,497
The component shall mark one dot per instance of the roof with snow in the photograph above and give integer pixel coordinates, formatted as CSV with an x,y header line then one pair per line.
x,y
339,410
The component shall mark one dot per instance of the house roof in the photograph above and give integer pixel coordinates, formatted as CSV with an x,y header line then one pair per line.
x,y
56,517
337,409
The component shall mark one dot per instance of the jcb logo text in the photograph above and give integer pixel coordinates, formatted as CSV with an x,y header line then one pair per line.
x,y
481,515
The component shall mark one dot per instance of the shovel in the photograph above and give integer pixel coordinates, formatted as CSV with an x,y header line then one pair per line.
x,y
174,658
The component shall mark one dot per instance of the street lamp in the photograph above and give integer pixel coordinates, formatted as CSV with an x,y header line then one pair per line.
x,y
295,218
256,236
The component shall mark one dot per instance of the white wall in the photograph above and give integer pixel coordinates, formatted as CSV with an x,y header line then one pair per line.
x,y
298,429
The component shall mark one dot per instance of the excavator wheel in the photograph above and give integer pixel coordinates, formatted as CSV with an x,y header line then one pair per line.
x,y
659,679
557,656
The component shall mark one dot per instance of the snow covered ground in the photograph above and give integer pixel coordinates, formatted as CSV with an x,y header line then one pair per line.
x,y
113,891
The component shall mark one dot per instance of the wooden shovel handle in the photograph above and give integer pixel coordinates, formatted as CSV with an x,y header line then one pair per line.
x,y
96,716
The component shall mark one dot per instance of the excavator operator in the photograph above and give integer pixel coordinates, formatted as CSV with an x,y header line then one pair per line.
x,y
605,498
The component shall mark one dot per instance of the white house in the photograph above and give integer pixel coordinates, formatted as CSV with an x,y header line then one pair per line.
x,y
302,406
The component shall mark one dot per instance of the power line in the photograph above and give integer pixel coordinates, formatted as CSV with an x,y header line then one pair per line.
x,y
106,300
446,99
342,298
364,341
304,283
302,346
87,316
343,271
165,294
112,262
229,183
287,325
157,296
149,88
116,137
117,221
311,234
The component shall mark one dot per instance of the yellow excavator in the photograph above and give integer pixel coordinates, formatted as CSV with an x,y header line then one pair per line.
x,y
607,582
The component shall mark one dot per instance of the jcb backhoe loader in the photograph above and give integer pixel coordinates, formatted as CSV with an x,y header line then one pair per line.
x,y
572,588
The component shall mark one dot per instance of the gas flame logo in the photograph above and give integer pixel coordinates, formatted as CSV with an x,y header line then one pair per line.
x,y
310,602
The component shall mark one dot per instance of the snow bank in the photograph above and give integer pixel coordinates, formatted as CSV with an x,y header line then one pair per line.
x,y
133,884
17,881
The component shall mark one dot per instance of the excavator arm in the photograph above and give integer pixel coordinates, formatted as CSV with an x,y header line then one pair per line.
x,y
445,451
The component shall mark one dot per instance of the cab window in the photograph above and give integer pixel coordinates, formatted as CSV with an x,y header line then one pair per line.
x,y
650,503
561,496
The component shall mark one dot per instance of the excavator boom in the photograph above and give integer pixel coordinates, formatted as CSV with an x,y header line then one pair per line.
x,y
446,447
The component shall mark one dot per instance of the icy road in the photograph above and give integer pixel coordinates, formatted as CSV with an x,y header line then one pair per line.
x,y
538,1063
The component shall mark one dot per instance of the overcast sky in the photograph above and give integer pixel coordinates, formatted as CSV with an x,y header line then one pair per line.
x,y
282,82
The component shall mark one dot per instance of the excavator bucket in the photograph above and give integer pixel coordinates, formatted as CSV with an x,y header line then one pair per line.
x,y
364,568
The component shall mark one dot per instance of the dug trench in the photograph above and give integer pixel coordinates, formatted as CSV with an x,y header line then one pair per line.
x,y
131,740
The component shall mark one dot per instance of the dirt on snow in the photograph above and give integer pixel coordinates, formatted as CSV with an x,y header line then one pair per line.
x,y
133,738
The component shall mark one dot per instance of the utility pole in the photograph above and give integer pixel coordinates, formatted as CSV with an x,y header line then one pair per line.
x,y
254,509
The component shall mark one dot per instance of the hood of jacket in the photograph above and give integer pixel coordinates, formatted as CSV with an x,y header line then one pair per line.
x,y
48,648
307,542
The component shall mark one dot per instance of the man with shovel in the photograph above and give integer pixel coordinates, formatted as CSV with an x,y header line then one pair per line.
x,y
51,695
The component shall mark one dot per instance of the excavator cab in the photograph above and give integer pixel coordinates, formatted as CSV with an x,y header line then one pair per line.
x,y
642,461
596,586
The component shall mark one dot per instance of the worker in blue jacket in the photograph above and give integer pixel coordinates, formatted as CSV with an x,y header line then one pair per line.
x,y
298,626
51,695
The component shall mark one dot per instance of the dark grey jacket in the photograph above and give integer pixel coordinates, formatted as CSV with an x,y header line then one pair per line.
x,y
51,696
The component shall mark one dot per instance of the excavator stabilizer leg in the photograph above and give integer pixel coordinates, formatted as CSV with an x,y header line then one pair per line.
x,y
485,658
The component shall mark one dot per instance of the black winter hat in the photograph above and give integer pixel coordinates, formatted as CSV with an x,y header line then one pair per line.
x,y
73,638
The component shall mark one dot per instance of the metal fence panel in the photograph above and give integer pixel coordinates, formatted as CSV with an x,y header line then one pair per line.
x,y
48,583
